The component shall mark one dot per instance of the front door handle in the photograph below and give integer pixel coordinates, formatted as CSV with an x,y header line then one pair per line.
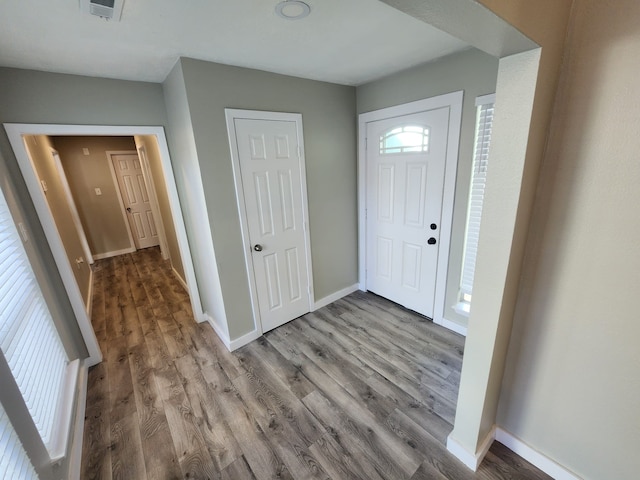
x,y
258,247
431,241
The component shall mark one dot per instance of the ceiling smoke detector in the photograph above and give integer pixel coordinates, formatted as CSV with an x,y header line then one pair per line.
x,y
292,9
107,9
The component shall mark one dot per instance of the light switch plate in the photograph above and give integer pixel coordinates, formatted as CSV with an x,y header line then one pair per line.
x,y
85,151
98,191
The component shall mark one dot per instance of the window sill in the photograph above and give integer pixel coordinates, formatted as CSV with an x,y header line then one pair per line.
x,y
462,308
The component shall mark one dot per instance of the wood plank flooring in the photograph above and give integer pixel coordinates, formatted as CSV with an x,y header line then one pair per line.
x,y
361,389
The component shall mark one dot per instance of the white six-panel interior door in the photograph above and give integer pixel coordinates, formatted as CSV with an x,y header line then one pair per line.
x,y
135,197
268,161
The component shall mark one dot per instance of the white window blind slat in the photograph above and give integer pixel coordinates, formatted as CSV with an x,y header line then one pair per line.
x,y
15,286
14,463
28,337
476,196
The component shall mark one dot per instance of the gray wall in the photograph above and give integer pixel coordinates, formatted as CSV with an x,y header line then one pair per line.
x,y
101,215
330,142
474,72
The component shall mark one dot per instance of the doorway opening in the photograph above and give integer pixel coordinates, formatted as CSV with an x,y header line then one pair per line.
x,y
407,167
19,135
269,170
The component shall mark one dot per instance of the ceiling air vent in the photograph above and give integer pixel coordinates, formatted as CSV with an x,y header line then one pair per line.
x,y
107,9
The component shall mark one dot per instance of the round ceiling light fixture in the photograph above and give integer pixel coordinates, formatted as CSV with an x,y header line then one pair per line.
x,y
292,9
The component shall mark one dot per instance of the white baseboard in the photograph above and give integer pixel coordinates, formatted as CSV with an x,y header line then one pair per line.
x,y
224,336
114,253
89,300
75,452
243,340
180,279
541,461
323,302
219,329
471,460
451,325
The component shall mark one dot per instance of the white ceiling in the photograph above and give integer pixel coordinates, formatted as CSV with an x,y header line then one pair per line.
x,y
343,41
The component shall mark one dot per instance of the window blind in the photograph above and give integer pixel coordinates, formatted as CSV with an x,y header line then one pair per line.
x,y
28,337
484,124
14,463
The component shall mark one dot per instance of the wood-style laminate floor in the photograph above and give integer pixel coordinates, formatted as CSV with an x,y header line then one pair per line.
x,y
361,389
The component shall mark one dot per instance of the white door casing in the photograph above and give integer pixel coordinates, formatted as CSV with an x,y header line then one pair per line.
x,y
153,200
404,206
135,197
72,206
451,102
271,189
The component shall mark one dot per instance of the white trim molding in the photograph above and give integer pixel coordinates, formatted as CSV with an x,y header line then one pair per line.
x,y
533,456
323,302
224,337
454,327
114,253
66,415
217,326
517,446
75,451
153,200
471,460
180,279
90,293
75,216
244,340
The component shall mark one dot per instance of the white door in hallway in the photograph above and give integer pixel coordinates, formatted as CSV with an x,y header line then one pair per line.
x,y
135,197
274,197
405,162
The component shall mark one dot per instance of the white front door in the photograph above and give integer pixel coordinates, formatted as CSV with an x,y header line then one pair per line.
x,y
272,184
136,199
405,162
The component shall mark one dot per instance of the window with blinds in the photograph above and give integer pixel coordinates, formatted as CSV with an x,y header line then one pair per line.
x,y
29,339
476,196
14,463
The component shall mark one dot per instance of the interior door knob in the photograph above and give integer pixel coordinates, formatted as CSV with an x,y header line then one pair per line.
x,y
129,209
257,247
431,241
